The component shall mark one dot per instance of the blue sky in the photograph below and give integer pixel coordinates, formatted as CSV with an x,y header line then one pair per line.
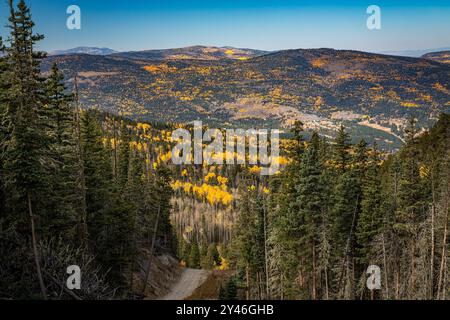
x,y
263,24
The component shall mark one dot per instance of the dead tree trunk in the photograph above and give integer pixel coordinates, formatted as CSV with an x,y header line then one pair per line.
x,y
155,231
82,219
386,282
432,252
442,281
265,253
35,249
314,290
247,286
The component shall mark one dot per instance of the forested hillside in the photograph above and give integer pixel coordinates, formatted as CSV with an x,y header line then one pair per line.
x,y
373,94
442,56
312,230
79,186
338,208
76,187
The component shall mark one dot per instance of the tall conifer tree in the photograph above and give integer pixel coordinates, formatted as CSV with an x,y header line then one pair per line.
x,y
26,148
311,196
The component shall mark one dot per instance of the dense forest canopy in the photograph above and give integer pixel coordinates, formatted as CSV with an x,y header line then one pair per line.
x,y
78,186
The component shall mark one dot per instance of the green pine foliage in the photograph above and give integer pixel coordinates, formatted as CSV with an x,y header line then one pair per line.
x,y
59,199
59,113
212,258
81,186
370,221
194,255
338,208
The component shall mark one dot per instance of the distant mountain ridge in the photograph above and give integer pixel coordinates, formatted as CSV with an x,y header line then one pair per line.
x,y
213,53
186,53
193,53
84,50
413,53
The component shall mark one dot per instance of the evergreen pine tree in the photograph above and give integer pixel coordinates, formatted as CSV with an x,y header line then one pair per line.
x,y
222,293
231,290
26,147
159,196
194,256
98,180
345,211
345,191
409,211
212,256
60,131
3,124
124,155
97,170
370,222
341,149
286,223
110,216
311,195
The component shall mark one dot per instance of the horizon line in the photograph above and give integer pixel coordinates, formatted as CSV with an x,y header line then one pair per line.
x,y
246,48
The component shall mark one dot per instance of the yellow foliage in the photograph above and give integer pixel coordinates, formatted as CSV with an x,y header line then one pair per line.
x,y
222,180
409,104
186,98
152,69
318,63
113,143
255,169
440,87
282,161
276,92
212,194
224,265
318,103
426,97
164,157
159,68
424,171
143,126
210,176
187,187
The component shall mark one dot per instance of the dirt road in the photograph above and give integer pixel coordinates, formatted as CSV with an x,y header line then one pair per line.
x,y
190,280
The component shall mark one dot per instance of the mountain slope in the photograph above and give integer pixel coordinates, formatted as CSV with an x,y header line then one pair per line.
x,y
442,56
374,94
194,53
